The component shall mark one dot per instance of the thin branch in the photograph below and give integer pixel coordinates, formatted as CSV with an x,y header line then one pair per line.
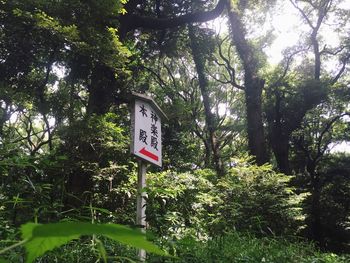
x,y
324,131
285,71
173,79
341,71
231,71
49,134
330,52
25,138
302,13
158,77
226,141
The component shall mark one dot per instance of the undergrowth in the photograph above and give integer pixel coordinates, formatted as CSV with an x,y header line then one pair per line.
x,y
234,247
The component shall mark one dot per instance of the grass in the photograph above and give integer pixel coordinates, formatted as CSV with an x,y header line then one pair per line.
x,y
236,247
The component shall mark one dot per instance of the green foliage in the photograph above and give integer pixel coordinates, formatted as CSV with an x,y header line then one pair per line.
x,y
248,198
257,199
173,200
38,239
66,71
334,202
234,247
96,139
94,144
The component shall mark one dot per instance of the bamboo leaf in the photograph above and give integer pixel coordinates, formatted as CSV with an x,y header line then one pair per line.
x,y
42,238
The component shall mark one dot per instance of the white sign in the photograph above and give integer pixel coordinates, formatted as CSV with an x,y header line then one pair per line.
x,y
147,133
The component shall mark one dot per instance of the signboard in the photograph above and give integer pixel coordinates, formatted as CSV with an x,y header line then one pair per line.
x,y
146,130
146,143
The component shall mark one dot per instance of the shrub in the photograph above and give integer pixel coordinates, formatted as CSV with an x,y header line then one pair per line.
x,y
249,198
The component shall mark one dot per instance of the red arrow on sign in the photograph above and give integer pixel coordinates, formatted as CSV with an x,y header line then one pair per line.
x,y
149,154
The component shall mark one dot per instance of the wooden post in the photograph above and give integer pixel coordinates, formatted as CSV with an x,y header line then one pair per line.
x,y
146,144
141,203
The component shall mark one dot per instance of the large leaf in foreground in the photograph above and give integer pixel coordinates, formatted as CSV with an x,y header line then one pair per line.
x,y
42,238
2,260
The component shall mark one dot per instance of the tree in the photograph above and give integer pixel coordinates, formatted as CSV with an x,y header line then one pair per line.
x,y
298,89
253,83
199,61
65,86
322,126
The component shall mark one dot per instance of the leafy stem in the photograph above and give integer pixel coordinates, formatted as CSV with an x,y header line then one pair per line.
x,y
13,246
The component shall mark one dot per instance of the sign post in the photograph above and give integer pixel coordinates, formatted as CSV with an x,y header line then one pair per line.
x,y
141,202
146,144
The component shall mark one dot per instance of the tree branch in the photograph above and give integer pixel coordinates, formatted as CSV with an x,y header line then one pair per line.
x,y
132,21
230,70
288,62
325,130
341,71
302,13
156,75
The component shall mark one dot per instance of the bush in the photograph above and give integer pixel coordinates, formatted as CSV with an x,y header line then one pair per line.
x,y
258,200
249,198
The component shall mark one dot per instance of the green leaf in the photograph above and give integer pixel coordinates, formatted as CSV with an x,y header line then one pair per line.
x,y
38,245
2,260
101,250
42,238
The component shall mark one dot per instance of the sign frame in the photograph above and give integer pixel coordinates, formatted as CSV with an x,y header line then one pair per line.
x,y
145,154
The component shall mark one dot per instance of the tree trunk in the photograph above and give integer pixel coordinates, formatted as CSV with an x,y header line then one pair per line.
x,y
79,187
315,209
253,88
255,128
101,90
203,85
207,145
4,116
278,134
280,147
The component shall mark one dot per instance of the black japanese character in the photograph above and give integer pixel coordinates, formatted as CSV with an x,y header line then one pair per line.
x,y
154,142
143,110
143,136
154,130
154,117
